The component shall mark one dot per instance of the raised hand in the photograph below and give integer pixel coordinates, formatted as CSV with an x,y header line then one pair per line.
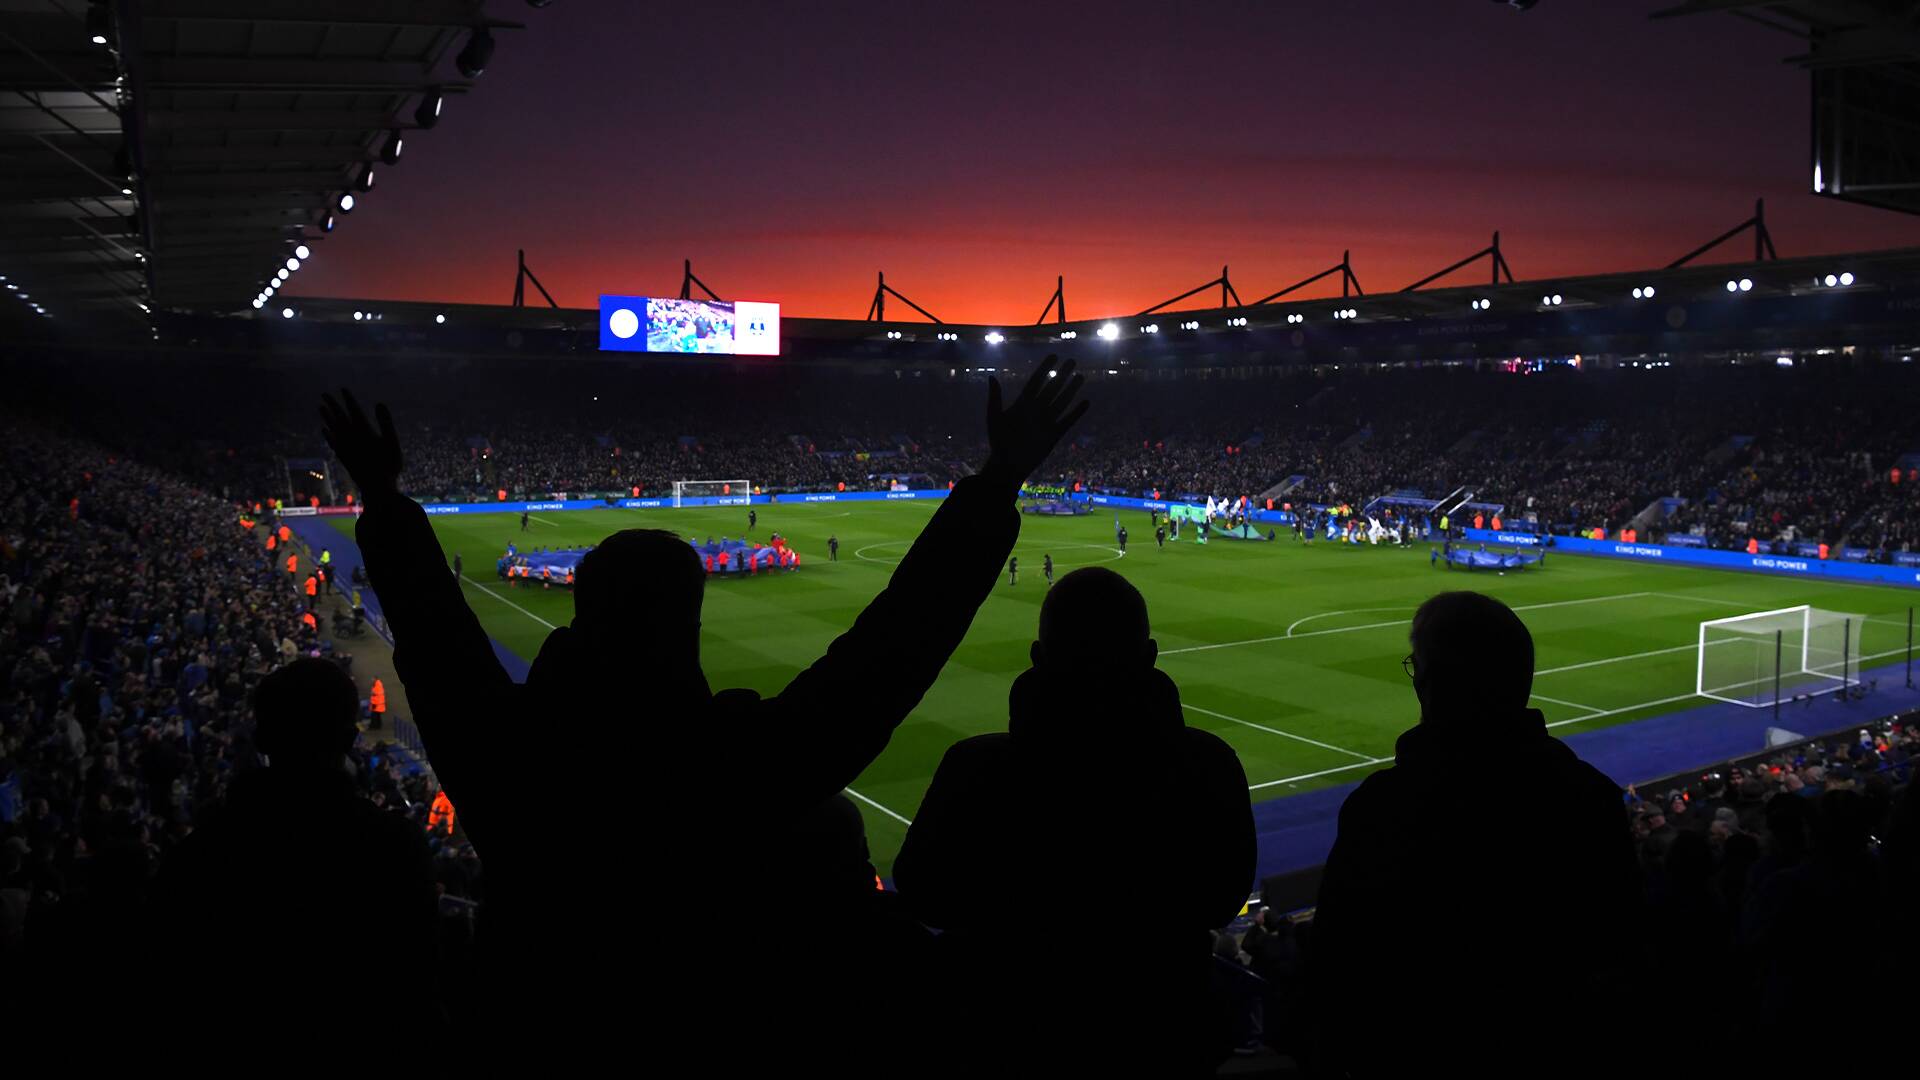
x,y
372,457
1021,435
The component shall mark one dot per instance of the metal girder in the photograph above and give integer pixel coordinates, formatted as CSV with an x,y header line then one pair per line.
x,y
278,120
341,154
292,73
167,185
448,14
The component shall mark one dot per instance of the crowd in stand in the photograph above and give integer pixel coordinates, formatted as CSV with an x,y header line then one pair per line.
x,y
137,616
1741,452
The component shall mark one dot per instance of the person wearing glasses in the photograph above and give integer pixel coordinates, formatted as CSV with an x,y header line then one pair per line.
x,y
1480,940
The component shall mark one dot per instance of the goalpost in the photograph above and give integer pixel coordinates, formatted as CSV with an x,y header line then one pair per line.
x,y
1766,657
718,492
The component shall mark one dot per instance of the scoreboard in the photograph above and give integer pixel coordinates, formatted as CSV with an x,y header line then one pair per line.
x,y
669,325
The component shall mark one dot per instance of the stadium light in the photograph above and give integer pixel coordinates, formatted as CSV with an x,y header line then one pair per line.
x,y
98,24
1746,284
1832,280
345,202
302,252
126,191
365,180
286,313
1150,328
293,264
390,152
1556,299
1732,285
439,320
1241,321
1819,185
357,316
281,273
327,225
1069,335
428,114
258,303
472,59
995,337
1109,332
1846,278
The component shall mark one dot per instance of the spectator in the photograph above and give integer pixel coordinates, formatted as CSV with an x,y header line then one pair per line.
x,y
305,873
637,615
1551,893
1094,773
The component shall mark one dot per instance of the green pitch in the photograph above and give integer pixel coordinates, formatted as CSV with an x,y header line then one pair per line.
x,y
1290,653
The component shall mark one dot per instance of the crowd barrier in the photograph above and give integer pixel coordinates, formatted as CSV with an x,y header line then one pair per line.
x,y
1790,565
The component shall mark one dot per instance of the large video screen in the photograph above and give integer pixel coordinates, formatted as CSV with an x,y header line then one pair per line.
x,y
663,325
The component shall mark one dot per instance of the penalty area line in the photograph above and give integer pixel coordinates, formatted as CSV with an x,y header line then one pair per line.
x,y
897,817
469,581
1277,731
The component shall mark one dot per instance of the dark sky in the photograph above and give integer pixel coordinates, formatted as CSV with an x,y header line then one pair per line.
x,y
975,150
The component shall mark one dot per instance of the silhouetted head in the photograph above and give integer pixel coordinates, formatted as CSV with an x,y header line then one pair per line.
x,y
640,583
305,715
1471,654
1094,618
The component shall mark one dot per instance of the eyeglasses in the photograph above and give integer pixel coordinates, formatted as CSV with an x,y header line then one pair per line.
x,y
1407,665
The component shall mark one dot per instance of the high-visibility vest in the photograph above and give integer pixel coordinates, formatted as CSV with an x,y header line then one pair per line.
x,y
293,564
440,813
326,556
313,585
1753,545
272,542
307,617
286,534
356,598
377,697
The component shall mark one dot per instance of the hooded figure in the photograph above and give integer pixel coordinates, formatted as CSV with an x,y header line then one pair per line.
x,y
1097,783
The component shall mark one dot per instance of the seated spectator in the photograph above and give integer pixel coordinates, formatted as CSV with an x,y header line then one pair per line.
x,y
1096,775
1798,913
1398,989
270,907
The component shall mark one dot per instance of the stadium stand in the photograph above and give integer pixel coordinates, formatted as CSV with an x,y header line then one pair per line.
x,y
130,645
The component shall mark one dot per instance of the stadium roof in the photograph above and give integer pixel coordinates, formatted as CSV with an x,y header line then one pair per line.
x,y
1864,59
171,153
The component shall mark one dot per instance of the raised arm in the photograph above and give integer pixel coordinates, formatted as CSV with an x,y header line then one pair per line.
x,y
837,716
457,688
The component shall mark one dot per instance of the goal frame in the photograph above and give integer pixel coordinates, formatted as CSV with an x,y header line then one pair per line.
x,y
1785,665
743,487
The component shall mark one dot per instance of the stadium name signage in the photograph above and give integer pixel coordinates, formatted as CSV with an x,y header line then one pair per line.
x,y
1728,560
658,503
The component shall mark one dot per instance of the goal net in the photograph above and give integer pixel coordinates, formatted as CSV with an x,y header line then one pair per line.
x,y
1756,659
712,492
